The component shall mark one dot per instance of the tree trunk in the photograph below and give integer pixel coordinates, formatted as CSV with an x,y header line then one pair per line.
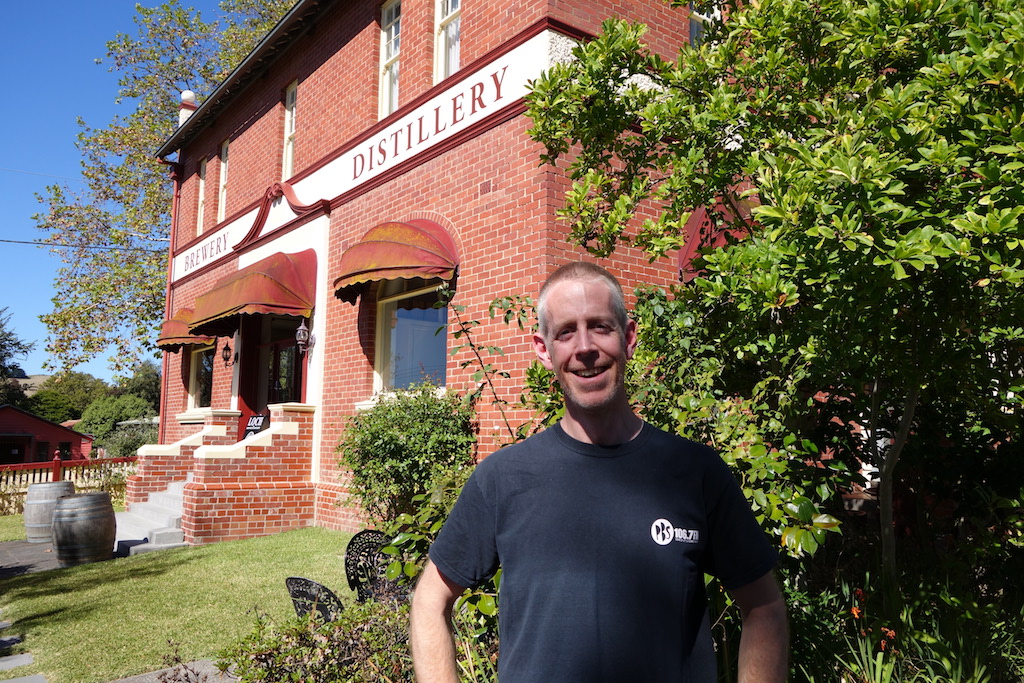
x,y
890,577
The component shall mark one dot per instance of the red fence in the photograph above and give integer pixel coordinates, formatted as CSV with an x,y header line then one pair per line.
x,y
85,472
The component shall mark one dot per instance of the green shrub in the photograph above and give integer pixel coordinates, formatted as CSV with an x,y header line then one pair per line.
x,y
102,415
12,499
125,440
367,644
404,445
943,635
476,612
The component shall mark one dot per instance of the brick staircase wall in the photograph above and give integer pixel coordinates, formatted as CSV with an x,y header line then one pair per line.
x,y
255,487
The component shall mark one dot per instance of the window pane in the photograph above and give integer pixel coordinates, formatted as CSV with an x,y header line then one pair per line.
x,y
203,377
391,39
415,351
451,46
283,374
391,87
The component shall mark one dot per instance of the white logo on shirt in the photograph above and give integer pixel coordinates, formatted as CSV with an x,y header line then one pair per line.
x,y
663,533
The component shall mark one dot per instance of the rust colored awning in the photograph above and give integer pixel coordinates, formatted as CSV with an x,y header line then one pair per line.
x,y
389,251
282,284
174,332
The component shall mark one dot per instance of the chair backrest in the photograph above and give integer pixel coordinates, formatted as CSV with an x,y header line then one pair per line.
x,y
366,566
310,597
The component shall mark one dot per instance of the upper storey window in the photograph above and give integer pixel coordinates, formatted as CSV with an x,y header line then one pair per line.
x,y
201,206
700,20
288,162
390,41
222,192
446,57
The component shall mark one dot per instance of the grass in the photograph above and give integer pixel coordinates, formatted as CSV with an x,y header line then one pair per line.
x,y
108,620
12,528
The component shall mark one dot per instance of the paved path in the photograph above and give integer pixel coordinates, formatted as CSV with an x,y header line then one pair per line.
x,y
22,557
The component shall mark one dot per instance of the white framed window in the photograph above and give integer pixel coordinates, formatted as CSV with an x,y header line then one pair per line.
x,y
201,191
200,382
700,22
390,42
288,162
222,190
412,335
446,38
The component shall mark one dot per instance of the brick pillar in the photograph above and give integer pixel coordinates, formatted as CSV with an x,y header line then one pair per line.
x,y
255,487
159,465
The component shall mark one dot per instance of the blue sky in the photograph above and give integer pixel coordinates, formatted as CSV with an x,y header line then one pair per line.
x,y
48,52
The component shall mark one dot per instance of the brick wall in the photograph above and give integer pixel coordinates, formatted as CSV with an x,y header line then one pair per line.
x,y
488,191
255,488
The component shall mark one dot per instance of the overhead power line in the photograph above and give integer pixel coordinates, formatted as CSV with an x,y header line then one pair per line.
x,y
95,247
42,175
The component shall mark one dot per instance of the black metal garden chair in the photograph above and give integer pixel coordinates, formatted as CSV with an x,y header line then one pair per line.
x,y
366,566
310,597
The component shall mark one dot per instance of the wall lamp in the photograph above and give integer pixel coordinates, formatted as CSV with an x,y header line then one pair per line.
x,y
303,339
226,355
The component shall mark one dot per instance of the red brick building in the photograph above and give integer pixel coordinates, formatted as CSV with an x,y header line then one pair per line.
x,y
25,437
363,154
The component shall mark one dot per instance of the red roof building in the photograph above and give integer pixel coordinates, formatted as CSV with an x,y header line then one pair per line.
x,y
362,155
25,437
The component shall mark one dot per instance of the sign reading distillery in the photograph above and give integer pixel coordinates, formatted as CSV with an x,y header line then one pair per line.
x,y
484,92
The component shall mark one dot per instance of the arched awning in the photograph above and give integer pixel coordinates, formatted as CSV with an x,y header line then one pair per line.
x,y
415,248
282,284
174,333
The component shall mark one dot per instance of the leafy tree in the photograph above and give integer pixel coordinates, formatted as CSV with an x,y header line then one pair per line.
x,y
864,162
101,417
69,393
53,405
144,383
112,236
11,347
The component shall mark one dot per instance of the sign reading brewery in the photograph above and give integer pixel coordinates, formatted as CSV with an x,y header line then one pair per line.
x,y
486,91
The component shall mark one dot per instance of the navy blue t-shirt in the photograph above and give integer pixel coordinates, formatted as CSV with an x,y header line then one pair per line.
x,y
603,554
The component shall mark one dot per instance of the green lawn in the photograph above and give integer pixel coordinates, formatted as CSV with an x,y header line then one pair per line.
x,y
100,622
12,528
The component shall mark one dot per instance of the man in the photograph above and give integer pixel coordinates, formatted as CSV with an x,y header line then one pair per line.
x,y
604,527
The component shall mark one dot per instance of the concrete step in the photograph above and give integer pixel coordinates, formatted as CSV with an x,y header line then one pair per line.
x,y
152,525
9,662
166,536
151,547
168,500
132,526
159,515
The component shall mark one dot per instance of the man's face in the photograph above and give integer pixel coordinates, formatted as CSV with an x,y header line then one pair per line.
x,y
585,346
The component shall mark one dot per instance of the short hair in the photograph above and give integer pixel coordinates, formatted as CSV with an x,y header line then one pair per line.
x,y
582,270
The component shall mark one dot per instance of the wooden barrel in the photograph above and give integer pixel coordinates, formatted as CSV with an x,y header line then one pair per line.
x,y
83,528
39,503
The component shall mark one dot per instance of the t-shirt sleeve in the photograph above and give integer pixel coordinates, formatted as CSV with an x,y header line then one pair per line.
x,y
465,550
740,552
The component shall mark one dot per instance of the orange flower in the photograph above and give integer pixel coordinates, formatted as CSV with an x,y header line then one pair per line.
x,y
856,612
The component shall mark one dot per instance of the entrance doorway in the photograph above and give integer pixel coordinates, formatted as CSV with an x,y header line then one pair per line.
x,y
272,367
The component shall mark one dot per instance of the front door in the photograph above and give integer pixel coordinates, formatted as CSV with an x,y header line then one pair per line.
x,y
272,367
